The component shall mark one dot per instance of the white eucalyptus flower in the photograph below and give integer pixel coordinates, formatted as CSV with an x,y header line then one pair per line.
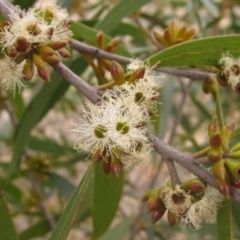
x,y
93,131
177,200
205,210
10,74
231,68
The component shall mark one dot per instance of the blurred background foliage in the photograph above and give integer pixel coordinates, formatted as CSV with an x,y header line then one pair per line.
x,y
108,208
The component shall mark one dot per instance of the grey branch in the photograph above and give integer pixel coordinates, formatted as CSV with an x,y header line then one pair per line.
x,y
89,92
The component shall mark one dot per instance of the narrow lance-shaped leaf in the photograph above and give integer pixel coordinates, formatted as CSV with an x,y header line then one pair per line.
x,y
7,229
67,218
106,196
224,222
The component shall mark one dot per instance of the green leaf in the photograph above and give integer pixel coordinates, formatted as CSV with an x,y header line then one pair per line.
x,y
106,196
37,230
119,231
66,220
64,186
48,146
24,4
37,108
118,12
224,222
7,229
236,213
200,52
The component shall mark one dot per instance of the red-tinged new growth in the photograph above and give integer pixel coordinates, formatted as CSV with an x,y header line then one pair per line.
x,y
174,34
117,73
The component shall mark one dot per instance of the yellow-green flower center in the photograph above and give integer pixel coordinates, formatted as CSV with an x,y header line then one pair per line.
x,y
100,131
122,127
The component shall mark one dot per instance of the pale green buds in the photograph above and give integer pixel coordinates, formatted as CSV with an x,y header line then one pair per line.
x,y
234,168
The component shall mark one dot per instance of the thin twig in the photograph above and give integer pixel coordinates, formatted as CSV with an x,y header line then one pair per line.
x,y
172,172
98,53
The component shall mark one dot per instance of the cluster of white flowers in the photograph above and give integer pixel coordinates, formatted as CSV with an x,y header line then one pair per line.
x,y
26,32
117,127
231,69
194,213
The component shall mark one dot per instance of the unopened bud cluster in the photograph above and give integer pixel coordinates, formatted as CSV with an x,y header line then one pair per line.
x,y
115,130
226,167
192,201
30,41
174,34
102,66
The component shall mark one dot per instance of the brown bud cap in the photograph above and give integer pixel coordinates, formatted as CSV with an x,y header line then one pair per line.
x,y
117,73
224,188
158,213
152,204
159,37
210,86
222,78
219,170
28,69
44,73
65,53
168,37
116,167
234,168
113,45
22,44
100,39
214,156
107,165
56,45
45,51
215,139
11,51
194,185
137,74
173,219
97,156
54,59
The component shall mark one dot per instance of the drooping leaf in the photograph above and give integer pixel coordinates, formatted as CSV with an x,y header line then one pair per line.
x,y
7,229
224,222
36,230
106,196
200,52
66,220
